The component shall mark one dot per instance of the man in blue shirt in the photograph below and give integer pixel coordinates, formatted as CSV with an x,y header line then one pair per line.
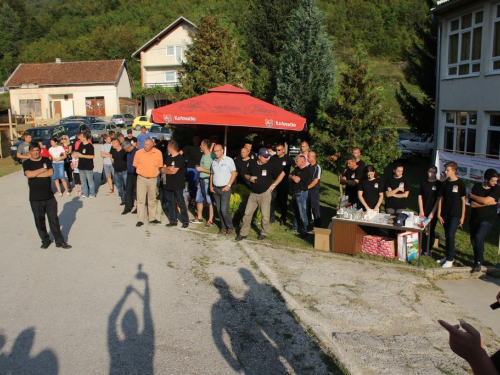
x,y
142,137
131,177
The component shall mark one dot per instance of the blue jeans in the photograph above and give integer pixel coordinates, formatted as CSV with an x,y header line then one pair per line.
x,y
87,177
174,196
478,233
450,228
299,203
192,178
121,182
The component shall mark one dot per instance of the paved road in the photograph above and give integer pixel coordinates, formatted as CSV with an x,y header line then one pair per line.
x,y
172,301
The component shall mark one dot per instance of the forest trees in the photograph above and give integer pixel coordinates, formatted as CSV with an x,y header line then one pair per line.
x,y
421,58
213,59
355,118
306,69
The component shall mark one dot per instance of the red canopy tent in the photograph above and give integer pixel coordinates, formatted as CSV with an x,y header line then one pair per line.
x,y
228,106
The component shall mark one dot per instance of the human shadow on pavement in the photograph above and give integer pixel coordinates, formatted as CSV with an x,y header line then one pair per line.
x,y
19,360
134,353
67,217
258,335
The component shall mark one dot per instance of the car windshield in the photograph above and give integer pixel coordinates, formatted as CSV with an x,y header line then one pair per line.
x,y
71,126
165,130
39,133
117,116
97,126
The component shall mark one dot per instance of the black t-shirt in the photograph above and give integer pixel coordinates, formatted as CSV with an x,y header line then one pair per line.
x,y
265,173
361,165
192,155
371,191
488,213
394,183
86,164
119,160
429,192
176,181
286,162
452,193
305,175
352,191
316,174
40,187
242,169
132,140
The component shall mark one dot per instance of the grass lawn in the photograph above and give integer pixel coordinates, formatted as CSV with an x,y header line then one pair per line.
x,y
7,166
415,170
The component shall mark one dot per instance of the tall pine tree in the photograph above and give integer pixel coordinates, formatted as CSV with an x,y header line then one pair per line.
x,y
421,57
264,29
355,118
213,59
306,65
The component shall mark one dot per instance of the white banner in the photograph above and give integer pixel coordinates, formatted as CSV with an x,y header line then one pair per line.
x,y
470,168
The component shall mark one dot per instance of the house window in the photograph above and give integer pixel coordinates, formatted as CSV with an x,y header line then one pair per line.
x,y
493,145
171,76
30,107
496,38
464,45
460,132
175,51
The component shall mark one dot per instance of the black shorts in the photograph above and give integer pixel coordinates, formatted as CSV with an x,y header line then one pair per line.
x,y
76,179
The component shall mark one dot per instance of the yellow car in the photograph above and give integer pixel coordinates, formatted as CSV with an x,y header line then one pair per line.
x,y
141,121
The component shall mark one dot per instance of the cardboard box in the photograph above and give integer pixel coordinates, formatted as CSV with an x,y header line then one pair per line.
x,y
381,246
322,239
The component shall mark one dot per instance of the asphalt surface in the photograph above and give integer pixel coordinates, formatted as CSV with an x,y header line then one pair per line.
x,y
127,300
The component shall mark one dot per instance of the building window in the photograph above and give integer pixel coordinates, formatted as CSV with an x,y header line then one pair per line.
x,y
464,45
496,39
30,107
171,76
460,132
493,144
175,51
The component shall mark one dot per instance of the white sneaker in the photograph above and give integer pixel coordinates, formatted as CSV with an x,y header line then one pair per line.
x,y
441,261
447,264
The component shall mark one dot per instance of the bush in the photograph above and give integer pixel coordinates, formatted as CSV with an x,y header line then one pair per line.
x,y
238,202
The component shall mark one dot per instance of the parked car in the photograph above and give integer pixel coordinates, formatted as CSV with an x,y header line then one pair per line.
x,y
73,128
420,144
156,130
405,153
100,128
44,133
89,120
123,120
141,121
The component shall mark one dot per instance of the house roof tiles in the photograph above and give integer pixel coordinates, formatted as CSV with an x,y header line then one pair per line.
x,y
67,73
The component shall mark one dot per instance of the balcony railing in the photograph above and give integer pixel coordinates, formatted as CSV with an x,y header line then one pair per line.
x,y
162,84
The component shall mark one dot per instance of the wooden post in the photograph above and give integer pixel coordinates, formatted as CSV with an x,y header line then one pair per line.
x,y
10,128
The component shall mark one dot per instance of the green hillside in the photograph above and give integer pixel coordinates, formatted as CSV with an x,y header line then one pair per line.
x,y
41,30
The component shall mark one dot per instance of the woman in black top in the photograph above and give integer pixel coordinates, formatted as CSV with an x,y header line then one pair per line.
x,y
370,189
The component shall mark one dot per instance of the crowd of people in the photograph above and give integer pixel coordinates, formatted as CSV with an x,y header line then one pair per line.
x,y
143,170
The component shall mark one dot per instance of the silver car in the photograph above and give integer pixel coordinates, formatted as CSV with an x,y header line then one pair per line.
x,y
156,130
123,120
100,128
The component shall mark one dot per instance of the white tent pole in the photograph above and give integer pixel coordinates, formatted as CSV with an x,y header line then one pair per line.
x,y
225,140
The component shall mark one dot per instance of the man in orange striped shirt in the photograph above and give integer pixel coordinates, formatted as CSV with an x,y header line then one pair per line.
x,y
147,162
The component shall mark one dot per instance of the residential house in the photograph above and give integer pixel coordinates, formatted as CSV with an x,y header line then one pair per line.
x,y
91,88
468,67
161,58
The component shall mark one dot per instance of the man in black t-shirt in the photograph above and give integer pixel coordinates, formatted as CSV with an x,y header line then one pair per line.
x,y
351,178
192,155
261,174
301,178
119,160
86,165
397,190
356,151
39,171
131,138
427,206
241,163
451,210
174,187
313,206
483,202
280,194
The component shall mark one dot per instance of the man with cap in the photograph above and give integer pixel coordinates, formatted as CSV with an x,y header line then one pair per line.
x,y
130,137
261,176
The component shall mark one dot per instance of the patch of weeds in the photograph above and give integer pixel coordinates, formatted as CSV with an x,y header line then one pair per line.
x,y
417,298
254,265
262,275
444,370
148,233
172,265
347,286
199,271
438,349
314,309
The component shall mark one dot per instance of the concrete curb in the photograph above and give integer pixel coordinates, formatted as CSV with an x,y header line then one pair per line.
x,y
294,306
